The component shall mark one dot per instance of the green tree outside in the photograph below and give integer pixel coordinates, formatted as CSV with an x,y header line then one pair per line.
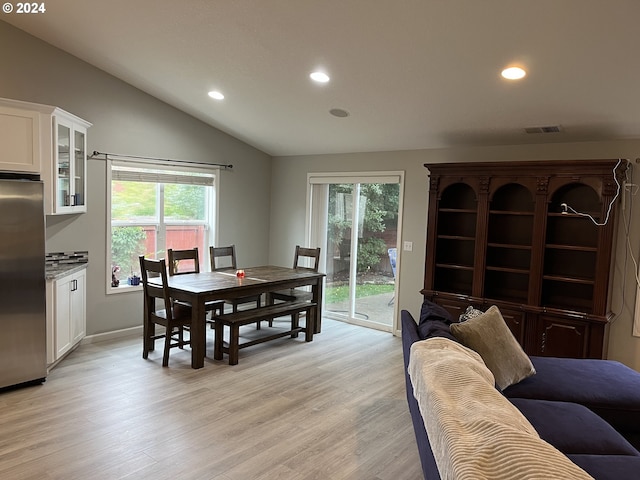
x,y
126,245
381,211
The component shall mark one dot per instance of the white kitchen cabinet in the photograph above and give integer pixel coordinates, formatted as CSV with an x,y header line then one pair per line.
x,y
49,141
20,132
66,314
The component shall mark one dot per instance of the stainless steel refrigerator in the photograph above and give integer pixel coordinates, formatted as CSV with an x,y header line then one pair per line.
x,y
23,329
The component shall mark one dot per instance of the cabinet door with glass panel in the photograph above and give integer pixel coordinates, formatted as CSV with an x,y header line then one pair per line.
x,y
70,162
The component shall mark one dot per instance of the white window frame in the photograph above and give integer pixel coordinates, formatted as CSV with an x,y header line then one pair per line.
x,y
212,213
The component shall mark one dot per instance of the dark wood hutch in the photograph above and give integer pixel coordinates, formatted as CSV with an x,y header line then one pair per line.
x,y
534,238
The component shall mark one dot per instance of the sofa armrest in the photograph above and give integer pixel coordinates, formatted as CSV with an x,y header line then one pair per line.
x,y
409,336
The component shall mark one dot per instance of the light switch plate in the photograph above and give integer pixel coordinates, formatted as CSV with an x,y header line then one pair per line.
x,y
407,246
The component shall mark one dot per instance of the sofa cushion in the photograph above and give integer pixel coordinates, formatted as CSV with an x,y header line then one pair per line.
x,y
608,388
573,428
435,328
608,467
489,335
434,321
432,311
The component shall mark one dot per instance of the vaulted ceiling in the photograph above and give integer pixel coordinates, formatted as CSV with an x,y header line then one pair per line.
x,y
411,74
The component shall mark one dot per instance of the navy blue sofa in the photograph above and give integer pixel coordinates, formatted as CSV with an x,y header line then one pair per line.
x,y
587,409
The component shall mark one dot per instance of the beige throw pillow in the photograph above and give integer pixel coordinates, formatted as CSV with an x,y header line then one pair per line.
x,y
489,335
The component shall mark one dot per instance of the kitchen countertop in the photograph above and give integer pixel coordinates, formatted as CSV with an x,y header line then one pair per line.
x,y
56,271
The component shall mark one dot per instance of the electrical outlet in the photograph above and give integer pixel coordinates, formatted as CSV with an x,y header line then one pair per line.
x,y
407,246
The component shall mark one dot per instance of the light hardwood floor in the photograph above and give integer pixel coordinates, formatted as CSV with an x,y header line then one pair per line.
x,y
334,408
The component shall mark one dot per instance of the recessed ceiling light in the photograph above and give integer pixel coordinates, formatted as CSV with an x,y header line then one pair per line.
x,y
217,95
513,73
339,112
320,77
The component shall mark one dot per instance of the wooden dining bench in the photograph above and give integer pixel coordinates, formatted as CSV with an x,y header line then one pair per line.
x,y
235,320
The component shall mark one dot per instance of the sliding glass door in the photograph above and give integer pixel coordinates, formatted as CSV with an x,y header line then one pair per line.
x,y
355,221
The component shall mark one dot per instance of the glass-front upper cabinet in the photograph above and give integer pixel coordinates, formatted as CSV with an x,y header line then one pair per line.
x,y
70,164
47,140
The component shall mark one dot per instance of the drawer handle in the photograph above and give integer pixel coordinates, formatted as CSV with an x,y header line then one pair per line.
x,y
544,334
569,327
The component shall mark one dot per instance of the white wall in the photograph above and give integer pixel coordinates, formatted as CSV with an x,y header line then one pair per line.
x,y
288,195
128,121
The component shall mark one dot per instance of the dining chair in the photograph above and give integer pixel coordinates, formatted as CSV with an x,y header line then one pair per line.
x,y
224,258
188,261
183,261
173,317
303,259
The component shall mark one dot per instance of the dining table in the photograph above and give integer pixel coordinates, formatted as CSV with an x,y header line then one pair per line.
x,y
199,288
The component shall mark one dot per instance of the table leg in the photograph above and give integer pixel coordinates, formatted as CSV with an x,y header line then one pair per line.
x,y
198,333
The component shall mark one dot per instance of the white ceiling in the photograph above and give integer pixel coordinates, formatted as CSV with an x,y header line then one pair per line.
x,y
412,73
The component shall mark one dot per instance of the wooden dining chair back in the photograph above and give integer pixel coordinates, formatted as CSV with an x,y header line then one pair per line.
x,y
188,261
310,255
224,258
183,261
172,317
303,259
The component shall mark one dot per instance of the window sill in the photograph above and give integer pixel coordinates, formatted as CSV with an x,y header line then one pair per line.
x,y
123,289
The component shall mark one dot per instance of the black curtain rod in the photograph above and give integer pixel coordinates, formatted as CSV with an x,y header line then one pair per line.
x,y
95,154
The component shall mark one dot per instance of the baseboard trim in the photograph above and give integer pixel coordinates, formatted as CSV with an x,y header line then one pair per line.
x,y
102,337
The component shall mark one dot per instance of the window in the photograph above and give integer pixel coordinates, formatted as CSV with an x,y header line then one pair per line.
x,y
154,208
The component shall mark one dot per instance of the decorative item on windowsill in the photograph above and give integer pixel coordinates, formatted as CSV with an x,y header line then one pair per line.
x,y
133,280
114,280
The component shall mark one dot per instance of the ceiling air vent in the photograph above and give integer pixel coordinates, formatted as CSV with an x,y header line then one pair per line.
x,y
547,129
